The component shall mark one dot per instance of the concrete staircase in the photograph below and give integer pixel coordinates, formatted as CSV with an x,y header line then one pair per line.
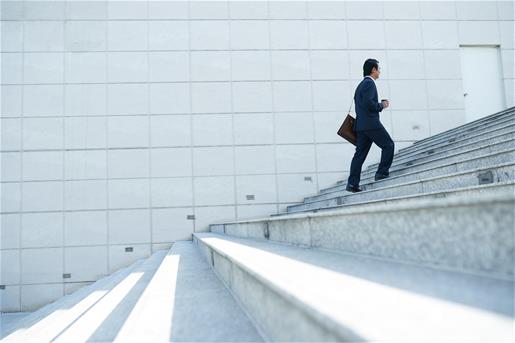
x,y
479,153
426,254
170,296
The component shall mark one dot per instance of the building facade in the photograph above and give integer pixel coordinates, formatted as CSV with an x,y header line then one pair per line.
x,y
126,126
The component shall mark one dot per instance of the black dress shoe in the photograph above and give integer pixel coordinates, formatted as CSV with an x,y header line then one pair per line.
x,y
353,189
380,177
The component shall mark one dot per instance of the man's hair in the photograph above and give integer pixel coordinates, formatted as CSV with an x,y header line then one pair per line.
x,y
368,65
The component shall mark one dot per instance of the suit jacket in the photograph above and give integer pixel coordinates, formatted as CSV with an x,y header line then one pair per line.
x,y
367,106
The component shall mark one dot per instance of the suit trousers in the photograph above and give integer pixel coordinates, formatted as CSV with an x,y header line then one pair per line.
x,y
365,138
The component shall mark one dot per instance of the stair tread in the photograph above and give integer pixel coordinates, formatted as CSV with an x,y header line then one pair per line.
x,y
186,302
446,148
496,117
341,185
457,138
54,319
171,296
416,204
509,187
356,294
341,192
510,143
10,321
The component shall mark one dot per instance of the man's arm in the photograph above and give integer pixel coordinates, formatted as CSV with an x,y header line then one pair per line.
x,y
368,97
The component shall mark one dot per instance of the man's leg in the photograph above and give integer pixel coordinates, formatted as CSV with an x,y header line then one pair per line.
x,y
363,145
383,140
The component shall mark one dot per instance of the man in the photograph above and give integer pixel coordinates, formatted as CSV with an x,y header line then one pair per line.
x,y
368,128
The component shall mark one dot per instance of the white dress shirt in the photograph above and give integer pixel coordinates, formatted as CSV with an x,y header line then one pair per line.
x,y
371,78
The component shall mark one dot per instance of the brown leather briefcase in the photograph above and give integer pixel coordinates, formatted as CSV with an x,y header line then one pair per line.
x,y
346,130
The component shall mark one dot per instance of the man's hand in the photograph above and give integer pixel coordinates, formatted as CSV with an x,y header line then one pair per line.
x,y
385,103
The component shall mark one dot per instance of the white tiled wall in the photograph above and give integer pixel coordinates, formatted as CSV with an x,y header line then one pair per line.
x,y
121,120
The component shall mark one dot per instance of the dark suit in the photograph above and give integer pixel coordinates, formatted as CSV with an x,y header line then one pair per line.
x,y
369,130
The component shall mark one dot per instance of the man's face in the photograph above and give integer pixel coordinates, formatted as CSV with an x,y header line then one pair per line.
x,y
375,72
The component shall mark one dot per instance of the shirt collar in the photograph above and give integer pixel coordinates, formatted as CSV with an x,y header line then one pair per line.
x,y
371,78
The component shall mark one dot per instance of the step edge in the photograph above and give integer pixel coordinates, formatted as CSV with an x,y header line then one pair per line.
x,y
458,136
372,166
414,196
321,318
435,203
429,179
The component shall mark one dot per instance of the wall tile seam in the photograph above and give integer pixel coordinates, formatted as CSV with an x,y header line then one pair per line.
x,y
425,77
388,83
100,116
192,132
273,107
310,67
181,147
63,103
500,57
106,128
78,247
128,51
216,82
199,148
202,176
231,97
55,283
147,208
115,146
136,20
149,129
22,130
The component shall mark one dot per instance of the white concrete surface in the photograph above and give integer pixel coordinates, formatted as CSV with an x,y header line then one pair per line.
x,y
305,294
464,233
10,320
185,302
171,296
159,110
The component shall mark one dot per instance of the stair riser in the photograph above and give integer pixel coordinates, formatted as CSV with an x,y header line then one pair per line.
x,y
479,240
457,138
279,318
448,150
338,201
467,152
458,132
476,163
369,183
433,162
500,174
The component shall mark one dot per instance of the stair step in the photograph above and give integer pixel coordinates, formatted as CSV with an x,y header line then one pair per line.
x,y
504,188
49,321
502,116
186,302
464,173
477,133
9,321
467,234
417,172
478,158
454,156
471,143
409,162
101,322
171,296
299,294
